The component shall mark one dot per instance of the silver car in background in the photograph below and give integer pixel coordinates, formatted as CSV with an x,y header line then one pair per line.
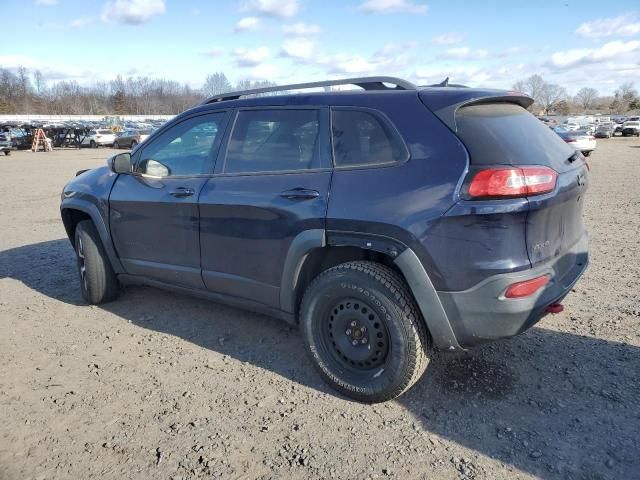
x,y
130,138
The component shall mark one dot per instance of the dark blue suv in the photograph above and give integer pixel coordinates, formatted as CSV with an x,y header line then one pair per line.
x,y
386,222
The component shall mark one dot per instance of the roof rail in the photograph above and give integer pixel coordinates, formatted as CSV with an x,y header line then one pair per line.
x,y
367,83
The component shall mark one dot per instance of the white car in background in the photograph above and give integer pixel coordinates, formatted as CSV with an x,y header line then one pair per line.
x,y
580,140
98,138
571,126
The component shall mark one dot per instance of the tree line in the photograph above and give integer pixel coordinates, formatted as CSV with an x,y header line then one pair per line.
x,y
550,98
25,91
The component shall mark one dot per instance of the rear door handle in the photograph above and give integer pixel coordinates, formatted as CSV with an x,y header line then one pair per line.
x,y
182,192
300,194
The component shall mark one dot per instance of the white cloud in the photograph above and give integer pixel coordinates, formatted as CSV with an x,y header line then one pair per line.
x,y
46,3
608,27
264,71
393,6
132,12
465,53
450,38
298,48
250,57
301,29
581,56
50,70
275,8
247,24
461,74
214,52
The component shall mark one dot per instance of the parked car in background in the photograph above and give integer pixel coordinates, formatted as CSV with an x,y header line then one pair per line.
x,y
580,140
631,128
130,138
6,145
605,130
385,223
571,126
98,138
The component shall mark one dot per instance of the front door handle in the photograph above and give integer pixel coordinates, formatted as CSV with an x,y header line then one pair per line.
x,y
300,194
182,192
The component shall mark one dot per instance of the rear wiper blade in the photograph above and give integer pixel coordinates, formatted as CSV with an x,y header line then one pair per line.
x,y
574,157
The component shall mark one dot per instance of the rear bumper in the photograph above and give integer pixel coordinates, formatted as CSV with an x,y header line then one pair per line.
x,y
479,314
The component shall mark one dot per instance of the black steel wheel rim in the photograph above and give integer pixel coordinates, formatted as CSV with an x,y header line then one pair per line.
x,y
355,335
81,264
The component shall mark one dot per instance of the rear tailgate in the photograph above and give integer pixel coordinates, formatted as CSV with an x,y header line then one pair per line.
x,y
498,131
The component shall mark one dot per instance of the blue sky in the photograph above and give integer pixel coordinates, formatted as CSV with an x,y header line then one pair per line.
x,y
491,43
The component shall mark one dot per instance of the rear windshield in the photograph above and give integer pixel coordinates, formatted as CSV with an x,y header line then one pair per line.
x,y
506,134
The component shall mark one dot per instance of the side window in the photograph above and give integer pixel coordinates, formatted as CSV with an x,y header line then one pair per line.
x,y
362,138
274,140
184,149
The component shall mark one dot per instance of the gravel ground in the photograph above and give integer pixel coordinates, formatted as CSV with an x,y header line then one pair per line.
x,y
157,385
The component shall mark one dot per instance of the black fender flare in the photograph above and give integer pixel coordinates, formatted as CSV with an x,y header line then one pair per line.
x,y
428,301
301,245
93,212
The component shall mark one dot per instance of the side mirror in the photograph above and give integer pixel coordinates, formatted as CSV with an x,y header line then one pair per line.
x,y
120,163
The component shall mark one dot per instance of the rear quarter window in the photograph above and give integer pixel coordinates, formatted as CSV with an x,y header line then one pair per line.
x,y
506,134
362,138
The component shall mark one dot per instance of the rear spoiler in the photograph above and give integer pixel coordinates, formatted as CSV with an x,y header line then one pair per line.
x,y
444,102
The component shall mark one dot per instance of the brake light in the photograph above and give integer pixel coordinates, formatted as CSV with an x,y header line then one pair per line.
x,y
512,182
526,288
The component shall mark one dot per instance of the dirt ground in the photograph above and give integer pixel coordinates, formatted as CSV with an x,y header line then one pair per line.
x,y
157,385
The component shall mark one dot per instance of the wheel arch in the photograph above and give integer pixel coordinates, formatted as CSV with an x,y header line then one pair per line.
x,y
311,253
75,211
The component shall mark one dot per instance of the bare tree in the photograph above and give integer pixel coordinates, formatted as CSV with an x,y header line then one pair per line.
x,y
215,84
532,86
586,97
625,97
551,96
545,95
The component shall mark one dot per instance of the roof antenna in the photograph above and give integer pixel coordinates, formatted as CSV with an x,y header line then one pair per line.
x,y
444,83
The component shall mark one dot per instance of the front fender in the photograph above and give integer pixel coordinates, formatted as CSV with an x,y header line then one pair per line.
x,y
92,211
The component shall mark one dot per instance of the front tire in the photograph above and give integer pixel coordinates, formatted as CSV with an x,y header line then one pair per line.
x,y
98,282
133,144
116,145
364,332
587,153
93,144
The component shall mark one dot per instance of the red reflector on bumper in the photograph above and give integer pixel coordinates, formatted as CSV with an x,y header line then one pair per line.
x,y
555,308
526,288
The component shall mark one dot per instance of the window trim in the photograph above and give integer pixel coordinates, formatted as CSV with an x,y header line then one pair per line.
x,y
213,153
326,152
383,118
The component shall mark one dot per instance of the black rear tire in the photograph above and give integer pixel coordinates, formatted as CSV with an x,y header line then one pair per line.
x,y
133,144
98,282
364,331
587,153
93,144
116,145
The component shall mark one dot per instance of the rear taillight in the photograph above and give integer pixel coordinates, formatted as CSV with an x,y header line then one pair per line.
x,y
526,288
512,182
